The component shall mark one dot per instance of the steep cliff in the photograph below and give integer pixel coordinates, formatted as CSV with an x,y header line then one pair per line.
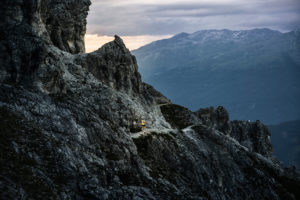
x,y
67,121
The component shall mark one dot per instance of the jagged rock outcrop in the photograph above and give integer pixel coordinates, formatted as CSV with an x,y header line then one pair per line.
x,y
217,118
158,97
253,135
209,165
29,27
115,66
65,23
66,123
179,116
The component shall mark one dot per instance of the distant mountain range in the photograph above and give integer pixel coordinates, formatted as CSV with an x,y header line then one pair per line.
x,y
255,74
286,141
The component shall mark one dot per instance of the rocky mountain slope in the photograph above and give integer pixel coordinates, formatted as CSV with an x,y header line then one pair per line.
x,y
68,123
253,73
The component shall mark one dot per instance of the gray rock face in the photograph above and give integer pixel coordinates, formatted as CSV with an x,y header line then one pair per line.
x,y
27,27
65,22
217,118
179,116
66,124
254,136
158,97
114,65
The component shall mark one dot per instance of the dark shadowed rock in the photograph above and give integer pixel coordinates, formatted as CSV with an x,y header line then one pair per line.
x,y
179,116
215,117
254,136
158,97
28,27
114,66
66,23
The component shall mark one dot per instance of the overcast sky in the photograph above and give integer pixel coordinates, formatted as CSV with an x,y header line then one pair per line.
x,y
162,18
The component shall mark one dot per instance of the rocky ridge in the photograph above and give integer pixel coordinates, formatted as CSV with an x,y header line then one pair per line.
x,y
66,119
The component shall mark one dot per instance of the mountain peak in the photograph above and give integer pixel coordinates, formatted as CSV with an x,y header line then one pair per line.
x,y
118,40
181,35
201,62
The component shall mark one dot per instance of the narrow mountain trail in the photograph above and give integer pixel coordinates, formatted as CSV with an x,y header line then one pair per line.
x,y
151,131
163,104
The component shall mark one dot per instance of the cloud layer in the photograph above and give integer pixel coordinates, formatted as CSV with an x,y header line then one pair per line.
x,y
157,17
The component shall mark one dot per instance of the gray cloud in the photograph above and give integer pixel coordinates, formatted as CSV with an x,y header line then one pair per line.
x,y
150,17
